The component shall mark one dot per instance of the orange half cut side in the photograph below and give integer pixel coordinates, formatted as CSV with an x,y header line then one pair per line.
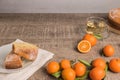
x,y
84,46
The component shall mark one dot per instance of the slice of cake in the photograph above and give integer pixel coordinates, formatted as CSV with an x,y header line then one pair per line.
x,y
25,50
13,61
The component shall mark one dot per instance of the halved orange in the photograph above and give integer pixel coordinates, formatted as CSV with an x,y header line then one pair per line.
x,y
84,46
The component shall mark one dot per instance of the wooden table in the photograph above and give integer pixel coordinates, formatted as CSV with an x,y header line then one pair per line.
x,y
57,33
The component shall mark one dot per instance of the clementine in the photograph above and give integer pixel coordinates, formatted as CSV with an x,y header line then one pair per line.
x,y
99,62
65,63
68,74
84,46
114,65
52,67
108,50
97,73
90,38
80,69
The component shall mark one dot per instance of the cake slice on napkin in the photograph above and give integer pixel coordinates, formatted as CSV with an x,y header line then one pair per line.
x,y
25,50
13,61
20,50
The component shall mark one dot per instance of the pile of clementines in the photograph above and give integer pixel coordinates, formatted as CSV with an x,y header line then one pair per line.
x,y
81,70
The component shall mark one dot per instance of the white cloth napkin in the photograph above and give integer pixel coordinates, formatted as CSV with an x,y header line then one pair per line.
x,y
26,72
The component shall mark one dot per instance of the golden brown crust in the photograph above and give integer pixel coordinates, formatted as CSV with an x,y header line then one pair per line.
x,y
114,15
25,50
13,61
114,18
20,49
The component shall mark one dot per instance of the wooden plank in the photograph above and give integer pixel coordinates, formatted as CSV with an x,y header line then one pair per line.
x,y
58,33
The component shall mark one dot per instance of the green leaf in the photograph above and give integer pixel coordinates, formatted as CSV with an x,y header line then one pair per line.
x,y
106,68
77,79
57,74
85,62
98,36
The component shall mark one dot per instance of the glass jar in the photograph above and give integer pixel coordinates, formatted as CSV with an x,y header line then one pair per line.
x,y
97,26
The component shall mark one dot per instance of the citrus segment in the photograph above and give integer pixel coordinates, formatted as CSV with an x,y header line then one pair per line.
x,y
84,46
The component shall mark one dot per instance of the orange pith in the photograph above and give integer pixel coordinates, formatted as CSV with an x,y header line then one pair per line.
x,y
84,46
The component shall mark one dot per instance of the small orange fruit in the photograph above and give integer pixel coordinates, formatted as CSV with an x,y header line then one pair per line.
x,y
65,63
68,74
91,39
52,67
108,50
99,62
80,69
114,65
84,46
97,73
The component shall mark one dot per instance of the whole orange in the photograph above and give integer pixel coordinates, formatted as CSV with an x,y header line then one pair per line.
x,y
108,50
114,65
52,67
65,63
97,73
68,74
80,69
99,62
90,38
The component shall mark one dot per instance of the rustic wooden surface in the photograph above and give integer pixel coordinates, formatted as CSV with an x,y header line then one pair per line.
x,y
58,33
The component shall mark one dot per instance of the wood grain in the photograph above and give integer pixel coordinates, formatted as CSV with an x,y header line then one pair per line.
x,y
58,33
